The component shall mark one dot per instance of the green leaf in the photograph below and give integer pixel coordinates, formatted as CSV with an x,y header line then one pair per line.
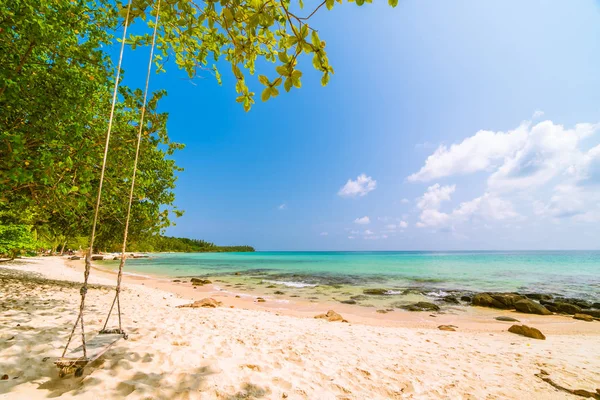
x,y
325,79
329,4
393,3
283,57
264,80
287,85
265,94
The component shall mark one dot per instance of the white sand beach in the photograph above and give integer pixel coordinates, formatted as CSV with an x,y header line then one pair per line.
x,y
274,351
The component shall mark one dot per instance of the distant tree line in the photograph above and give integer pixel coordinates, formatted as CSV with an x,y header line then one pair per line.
x,y
159,243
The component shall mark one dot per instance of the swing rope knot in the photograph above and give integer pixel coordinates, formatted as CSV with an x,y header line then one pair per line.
x,y
83,291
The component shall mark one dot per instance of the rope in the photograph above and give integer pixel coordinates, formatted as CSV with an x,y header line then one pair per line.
x,y
135,163
88,256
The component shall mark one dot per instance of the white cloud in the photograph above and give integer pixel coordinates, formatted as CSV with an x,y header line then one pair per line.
x,y
324,233
486,207
537,114
282,207
360,187
390,226
544,168
369,232
362,221
434,196
528,155
403,224
405,201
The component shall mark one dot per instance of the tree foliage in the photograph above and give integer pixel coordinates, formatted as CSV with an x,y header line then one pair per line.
x,y
15,238
55,94
159,243
241,32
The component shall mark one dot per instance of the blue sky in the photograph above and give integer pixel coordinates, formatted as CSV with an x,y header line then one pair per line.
x,y
409,83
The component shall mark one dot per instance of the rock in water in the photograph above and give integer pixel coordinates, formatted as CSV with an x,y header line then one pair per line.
x,y
348,301
507,319
331,316
200,282
97,258
568,308
375,292
450,328
538,296
527,331
584,317
466,298
450,300
596,305
504,301
206,303
531,307
421,306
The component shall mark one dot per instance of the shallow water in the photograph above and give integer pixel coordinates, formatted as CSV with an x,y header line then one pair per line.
x,y
434,274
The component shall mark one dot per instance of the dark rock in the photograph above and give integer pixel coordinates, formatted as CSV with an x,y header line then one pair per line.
x,y
237,273
466,298
450,328
206,303
596,305
237,296
331,316
271,286
4,377
348,301
260,300
576,302
547,303
375,292
421,306
74,258
200,282
568,308
551,308
382,311
97,258
527,331
507,319
115,258
593,313
450,300
504,301
359,297
531,307
538,296
176,280
278,292
584,317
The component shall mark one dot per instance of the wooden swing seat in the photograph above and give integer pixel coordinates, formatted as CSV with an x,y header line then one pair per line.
x,y
95,347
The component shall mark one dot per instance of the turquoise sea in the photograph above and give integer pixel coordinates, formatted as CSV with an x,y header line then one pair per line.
x,y
560,273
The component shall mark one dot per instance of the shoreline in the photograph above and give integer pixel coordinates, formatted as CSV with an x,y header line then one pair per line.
x,y
466,317
266,350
